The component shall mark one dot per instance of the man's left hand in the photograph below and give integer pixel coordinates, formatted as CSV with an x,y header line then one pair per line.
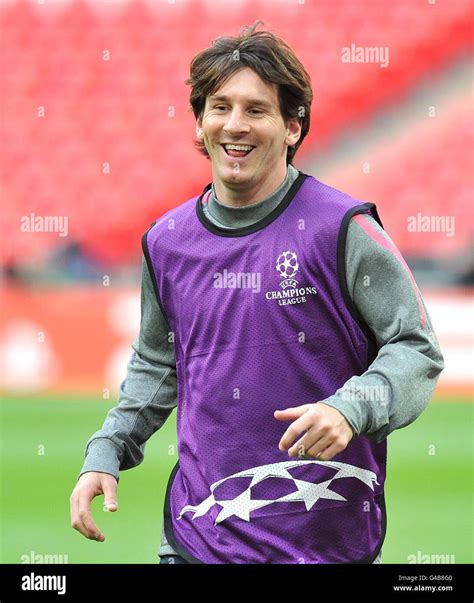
x,y
326,431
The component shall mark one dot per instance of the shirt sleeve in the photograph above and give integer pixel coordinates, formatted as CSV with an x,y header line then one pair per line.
x,y
147,395
399,383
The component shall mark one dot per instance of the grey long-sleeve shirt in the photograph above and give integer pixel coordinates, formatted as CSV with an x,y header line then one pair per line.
x,y
392,393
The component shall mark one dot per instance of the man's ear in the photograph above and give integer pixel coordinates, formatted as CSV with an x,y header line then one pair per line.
x,y
293,131
199,133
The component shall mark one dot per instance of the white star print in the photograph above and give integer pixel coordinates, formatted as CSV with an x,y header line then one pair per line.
x,y
307,492
240,507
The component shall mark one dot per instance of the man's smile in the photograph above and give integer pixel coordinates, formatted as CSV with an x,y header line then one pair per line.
x,y
237,151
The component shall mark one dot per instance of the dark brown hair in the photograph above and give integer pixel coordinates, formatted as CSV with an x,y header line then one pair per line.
x,y
270,57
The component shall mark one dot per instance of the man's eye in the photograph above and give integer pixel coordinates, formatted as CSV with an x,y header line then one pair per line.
x,y
219,107
255,111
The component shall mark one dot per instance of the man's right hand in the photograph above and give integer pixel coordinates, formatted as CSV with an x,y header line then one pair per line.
x,y
90,485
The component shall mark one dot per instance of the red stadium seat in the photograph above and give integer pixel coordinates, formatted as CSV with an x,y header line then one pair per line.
x,y
116,111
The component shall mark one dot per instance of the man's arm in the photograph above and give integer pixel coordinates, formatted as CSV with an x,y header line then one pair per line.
x,y
147,395
399,383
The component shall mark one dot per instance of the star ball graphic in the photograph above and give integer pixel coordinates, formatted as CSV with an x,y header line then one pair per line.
x,y
305,491
287,264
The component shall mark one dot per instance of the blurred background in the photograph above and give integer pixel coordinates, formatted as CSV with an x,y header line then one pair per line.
x,y
97,142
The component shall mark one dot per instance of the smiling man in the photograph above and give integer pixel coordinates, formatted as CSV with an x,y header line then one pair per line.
x,y
286,391
246,137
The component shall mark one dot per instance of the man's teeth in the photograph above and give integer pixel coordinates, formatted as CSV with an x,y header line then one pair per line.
x,y
238,147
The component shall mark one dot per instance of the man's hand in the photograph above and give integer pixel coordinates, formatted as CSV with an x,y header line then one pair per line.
x,y
326,431
90,485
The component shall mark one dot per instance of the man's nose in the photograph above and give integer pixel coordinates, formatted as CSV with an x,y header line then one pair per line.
x,y
236,123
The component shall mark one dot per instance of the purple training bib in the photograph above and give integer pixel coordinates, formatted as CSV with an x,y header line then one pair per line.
x,y
262,320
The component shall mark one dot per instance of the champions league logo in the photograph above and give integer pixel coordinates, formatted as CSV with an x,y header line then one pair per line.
x,y
304,491
287,267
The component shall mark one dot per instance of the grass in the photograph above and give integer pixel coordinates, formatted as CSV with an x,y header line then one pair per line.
x,y
428,489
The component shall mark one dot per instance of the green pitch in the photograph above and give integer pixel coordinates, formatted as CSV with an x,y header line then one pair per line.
x,y
428,491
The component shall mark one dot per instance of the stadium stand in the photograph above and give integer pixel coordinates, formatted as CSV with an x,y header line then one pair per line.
x,y
96,124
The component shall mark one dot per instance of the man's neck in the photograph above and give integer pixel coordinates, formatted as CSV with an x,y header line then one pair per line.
x,y
242,198
240,217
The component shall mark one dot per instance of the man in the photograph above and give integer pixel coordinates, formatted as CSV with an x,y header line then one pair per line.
x,y
284,325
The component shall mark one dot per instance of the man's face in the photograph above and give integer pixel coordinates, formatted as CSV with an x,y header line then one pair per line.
x,y
245,111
